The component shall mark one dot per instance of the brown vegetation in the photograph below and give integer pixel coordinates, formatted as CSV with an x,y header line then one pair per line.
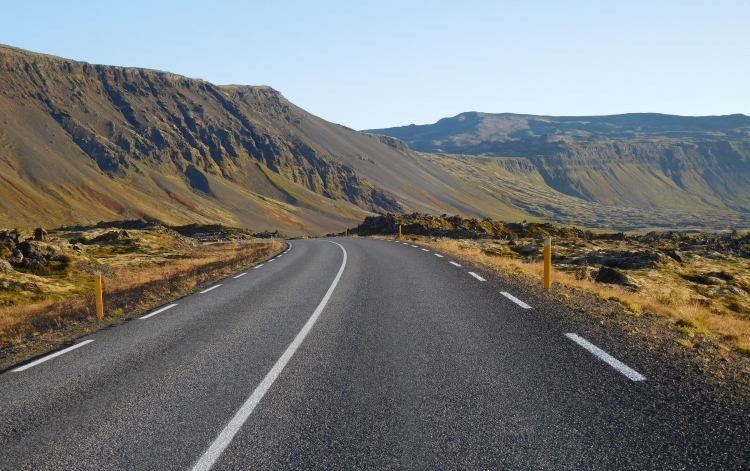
x,y
40,309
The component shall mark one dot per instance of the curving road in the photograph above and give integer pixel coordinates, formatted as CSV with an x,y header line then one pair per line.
x,y
362,354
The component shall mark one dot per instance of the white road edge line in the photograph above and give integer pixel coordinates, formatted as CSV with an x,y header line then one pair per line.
x,y
425,250
454,263
414,246
214,451
515,300
258,266
240,275
476,276
607,358
49,357
404,243
158,311
209,289
438,255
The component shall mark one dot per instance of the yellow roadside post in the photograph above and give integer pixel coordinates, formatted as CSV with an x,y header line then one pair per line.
x,y
99,297
548,264
346,232
399,232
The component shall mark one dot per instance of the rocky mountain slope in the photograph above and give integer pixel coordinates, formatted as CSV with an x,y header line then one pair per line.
x,y
640,165
81,143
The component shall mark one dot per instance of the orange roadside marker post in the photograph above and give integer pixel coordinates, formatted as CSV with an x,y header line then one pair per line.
x,y
99,297
399,232
548,264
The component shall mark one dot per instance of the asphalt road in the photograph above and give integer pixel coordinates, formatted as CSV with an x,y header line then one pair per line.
x,y
364,355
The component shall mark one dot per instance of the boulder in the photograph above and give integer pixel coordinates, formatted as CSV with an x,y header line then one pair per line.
x,y
111,235
16,256
34,264
10,235
529,249
6,267
40,234
610,276
40,250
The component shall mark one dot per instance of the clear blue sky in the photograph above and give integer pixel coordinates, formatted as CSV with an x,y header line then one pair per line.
x,y
381,64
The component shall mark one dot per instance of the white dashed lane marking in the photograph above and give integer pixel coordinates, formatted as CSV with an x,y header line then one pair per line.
x,y
258,266
515,300
240,275
209,289
438,255
476,276
49,357
607,358
454,263
158,311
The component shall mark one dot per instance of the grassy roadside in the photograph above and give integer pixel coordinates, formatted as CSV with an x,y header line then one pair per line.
x,y
43,311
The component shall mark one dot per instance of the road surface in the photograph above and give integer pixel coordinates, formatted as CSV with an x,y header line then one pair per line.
x,y
354,353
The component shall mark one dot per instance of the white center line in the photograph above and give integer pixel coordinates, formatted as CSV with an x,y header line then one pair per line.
x,y
515,300
476,276
258,266
405,243
49,357
454,263
158,311
607,358
209,289
270,261
425,250
438,255
414,246
214,451
241,274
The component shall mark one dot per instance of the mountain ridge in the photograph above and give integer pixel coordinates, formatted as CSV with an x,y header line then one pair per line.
x,y
637,159
82,142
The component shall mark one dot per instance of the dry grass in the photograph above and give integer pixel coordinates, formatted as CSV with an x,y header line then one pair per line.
x,y
130,289
670,301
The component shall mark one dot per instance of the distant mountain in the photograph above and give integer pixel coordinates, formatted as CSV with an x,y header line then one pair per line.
x,y
81,143
640,160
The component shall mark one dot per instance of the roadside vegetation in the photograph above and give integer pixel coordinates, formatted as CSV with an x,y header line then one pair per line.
x,y
47,286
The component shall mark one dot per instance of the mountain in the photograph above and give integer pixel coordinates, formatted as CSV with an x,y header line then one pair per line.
x,y
80,143
645,165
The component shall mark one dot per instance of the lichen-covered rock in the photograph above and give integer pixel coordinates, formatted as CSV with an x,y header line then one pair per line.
x,y
6,267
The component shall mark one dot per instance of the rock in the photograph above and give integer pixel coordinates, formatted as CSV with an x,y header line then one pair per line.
x,y
610,276
722,275
530,249
40,234
34,264
111,235
79,247
16,256
6,267
13,235
676,255
41,251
